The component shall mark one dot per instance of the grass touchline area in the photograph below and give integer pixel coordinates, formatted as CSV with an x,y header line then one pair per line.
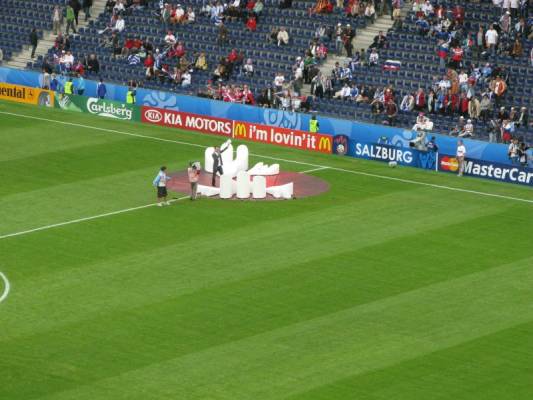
x,y
282,159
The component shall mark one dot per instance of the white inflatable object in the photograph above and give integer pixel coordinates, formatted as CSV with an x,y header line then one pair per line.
x,y
283,191
241,158
243,185
264,170
208,190
208,160
259,187
226,187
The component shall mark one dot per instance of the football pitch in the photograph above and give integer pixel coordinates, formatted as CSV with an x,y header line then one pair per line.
x,y
395,284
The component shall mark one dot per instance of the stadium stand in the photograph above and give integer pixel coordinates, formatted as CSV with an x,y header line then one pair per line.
x,y
244,59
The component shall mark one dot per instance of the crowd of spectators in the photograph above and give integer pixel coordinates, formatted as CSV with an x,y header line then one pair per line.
x,y
473,91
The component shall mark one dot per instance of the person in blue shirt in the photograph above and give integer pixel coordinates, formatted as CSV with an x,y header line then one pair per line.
x,y
101,90
81,85
160,182
54,83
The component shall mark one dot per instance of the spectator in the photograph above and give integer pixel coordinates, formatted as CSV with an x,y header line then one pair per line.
x,y
76,7
222,34
517,50
370,12
279,80
391,110
118,26
201,62
344,93
186,79
512,151
1,56
491,39
80,84
93,65
377,109
57,19
523,118
101,89
282,37
87,4
33,41
251,23
373,58
468,129
248,67
170,39
408,103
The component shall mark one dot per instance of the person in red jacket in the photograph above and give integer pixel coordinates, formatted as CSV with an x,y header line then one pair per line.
x,y
457,56
233,56
420,99
251,23
463,105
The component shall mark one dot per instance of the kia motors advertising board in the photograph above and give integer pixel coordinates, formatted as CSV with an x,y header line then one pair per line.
x,y
283,137
488,170
193,122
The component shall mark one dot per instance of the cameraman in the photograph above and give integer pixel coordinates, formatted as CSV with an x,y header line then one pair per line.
x,y
194,174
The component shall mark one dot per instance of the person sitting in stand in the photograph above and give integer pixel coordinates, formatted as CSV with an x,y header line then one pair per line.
x,y
283,37
201,62
322,7
251,23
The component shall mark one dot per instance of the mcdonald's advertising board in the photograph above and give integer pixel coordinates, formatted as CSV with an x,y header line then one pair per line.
x,y
183,120
283,137
27,95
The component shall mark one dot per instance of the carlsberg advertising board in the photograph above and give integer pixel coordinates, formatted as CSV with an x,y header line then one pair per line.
x,y
102,108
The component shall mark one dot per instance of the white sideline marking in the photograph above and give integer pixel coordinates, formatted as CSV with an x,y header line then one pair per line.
x,y
75,221
314,170
316,166
7,287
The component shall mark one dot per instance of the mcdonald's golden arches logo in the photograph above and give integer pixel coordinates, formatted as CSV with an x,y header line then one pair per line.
x,y
324,144
240,131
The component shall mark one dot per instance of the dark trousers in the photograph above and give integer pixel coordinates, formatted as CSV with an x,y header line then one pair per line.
x,y
219,170
33,47
70,24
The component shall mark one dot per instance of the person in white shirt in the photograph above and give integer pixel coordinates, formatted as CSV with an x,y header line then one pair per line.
x,y
160,182
283,37
373,58
170,39
408,103
491,36
460,154
468,130
279,80
186,79
119,26
191,16
344,93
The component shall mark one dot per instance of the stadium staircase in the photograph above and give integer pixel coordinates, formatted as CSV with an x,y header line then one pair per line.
x,y
22,58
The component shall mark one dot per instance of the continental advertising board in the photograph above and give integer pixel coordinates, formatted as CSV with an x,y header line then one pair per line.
x,y
100,107
293,138
27,95
488,170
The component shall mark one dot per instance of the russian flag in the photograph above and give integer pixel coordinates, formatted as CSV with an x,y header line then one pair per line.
x,y
392,65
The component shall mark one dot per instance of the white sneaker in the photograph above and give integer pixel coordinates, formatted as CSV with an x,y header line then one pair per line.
x,y
167,203
160,204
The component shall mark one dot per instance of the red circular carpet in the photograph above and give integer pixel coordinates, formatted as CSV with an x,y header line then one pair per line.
x,y
304,185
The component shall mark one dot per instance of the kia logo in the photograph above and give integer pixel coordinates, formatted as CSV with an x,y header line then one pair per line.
x,y
153,116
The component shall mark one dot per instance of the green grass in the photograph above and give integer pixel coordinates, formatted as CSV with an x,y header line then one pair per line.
x,y
377,289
